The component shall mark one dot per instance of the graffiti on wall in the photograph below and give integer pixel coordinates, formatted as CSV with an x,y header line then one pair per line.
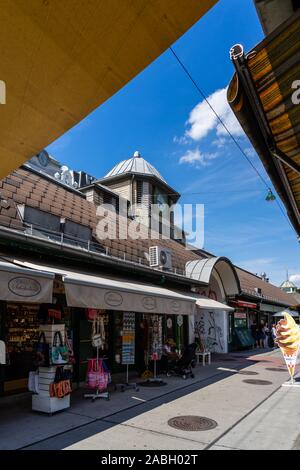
x,y
208,330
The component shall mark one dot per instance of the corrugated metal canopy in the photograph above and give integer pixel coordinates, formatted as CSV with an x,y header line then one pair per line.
x,y
62,59
260,95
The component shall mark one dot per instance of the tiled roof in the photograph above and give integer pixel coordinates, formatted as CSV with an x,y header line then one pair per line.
x,y
27,187
270,292
34,190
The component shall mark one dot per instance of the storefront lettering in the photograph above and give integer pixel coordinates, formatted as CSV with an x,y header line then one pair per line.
x,y
149,303
113,299
175,306
24,286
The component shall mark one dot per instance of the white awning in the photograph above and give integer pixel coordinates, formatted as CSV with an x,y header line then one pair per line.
x,y
97,291
210,304
18,284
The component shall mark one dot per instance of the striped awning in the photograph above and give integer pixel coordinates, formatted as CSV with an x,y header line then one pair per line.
x,y
263,95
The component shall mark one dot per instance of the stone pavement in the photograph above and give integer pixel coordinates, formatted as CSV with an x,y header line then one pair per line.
x,y
249,415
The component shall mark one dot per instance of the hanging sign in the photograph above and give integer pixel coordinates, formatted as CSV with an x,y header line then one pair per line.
x,y
169,323
179,320
128,338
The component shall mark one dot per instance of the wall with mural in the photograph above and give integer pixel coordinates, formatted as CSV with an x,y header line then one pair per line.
x,y
211,326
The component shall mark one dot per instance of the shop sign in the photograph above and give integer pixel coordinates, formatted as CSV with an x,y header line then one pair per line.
x,y
240,315
58,287
113,299
175,306
179,320
24,286
149,303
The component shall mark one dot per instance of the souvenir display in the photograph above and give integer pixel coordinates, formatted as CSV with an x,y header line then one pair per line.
x,y
128,339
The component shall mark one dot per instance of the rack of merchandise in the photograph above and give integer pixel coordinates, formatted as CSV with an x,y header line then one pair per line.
x,y
128,347
42,401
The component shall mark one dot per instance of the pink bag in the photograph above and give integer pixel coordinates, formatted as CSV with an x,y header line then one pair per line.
x,y
97,377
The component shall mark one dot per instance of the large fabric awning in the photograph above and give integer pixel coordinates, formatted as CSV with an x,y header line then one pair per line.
x,y
84,290
19,284
62,59
264,95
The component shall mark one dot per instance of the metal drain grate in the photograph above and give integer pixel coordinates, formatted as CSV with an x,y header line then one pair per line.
x,y
192,423
276,369
257,382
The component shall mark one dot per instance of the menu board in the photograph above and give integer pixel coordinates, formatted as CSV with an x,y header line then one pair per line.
x,y
128,338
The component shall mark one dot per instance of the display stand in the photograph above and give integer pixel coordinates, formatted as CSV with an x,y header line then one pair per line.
x,y
128,345
42,401
97,394
128,385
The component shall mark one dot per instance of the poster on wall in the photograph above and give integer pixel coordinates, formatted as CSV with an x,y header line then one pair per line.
x,y
128,338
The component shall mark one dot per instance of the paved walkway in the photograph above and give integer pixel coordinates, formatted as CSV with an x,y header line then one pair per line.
x,y
249,415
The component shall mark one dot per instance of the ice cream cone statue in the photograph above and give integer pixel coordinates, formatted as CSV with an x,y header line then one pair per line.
x,y
288,339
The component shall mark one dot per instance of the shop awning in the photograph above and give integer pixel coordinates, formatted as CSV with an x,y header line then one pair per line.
x,y
264,95
97,291
19,284
84,290
62,59
210,304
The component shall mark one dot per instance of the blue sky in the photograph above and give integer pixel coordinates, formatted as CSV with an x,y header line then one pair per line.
x,y
161,114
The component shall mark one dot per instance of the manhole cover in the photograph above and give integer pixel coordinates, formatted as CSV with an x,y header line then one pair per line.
x,y
192,423
246,372
152,383
257,382
276,369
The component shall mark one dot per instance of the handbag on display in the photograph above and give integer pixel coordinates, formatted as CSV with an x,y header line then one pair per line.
x,y
98,333
97,377
33,382
72,359
58,351
61,386
90,313
42,352
54,313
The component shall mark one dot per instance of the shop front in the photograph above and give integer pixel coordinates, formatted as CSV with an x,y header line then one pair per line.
x,y
211,325
245,314
135,320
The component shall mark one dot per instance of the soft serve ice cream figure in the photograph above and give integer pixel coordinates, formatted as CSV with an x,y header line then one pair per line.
x,y
288,339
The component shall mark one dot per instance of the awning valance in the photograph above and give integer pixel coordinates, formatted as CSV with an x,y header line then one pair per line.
x,y
84,290
19,284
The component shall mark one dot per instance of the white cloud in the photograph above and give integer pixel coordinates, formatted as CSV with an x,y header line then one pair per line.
x,y
295,278
197,158
202,119
220,143
180,140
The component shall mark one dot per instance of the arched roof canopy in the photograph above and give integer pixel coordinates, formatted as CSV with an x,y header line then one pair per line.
x,y
203,269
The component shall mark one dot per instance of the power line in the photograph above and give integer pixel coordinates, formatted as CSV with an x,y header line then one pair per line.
x,y
227,130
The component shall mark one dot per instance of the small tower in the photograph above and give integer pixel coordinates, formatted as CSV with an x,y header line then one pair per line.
x,y
136,180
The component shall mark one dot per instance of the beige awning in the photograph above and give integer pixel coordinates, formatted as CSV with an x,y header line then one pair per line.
x,y
210,304
19,284
61,59
113,293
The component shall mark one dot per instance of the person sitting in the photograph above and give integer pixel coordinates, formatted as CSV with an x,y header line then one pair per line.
x,y
168,355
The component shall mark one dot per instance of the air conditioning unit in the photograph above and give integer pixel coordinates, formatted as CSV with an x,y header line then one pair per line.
x,y
160,257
